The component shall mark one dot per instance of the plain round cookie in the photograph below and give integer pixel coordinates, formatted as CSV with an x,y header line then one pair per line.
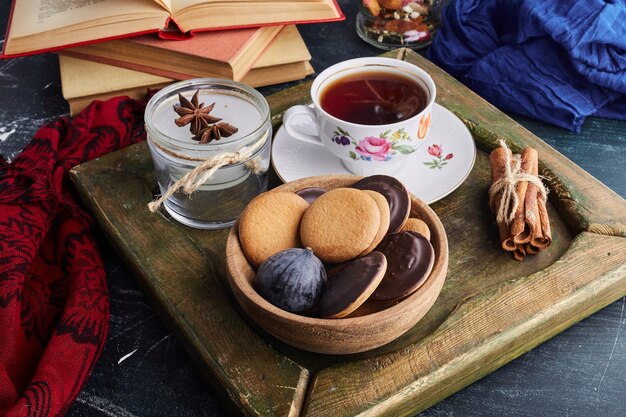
x,y
383,206
416,225
396,194
269,224
340,224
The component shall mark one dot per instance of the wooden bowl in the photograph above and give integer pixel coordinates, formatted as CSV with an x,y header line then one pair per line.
x,y
350,334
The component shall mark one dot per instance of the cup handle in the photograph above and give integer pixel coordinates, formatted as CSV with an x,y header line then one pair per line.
x,y
290,121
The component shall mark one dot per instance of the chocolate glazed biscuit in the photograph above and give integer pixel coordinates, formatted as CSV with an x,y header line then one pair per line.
x,y
396,195
351,284
410,258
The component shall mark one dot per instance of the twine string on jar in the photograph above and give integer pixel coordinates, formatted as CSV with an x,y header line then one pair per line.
x,y
195,178
505,186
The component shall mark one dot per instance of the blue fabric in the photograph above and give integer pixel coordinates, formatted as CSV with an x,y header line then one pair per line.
x,y
555,60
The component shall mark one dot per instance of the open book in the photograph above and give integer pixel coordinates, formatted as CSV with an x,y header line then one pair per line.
x,y
36,26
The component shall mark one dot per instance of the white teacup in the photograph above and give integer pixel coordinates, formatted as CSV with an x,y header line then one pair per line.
x,y
364,149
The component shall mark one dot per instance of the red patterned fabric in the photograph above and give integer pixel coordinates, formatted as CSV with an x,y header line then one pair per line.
x,y
54,307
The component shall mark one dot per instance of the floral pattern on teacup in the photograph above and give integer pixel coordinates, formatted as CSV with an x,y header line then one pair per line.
x,y
439,161
424,125
375,148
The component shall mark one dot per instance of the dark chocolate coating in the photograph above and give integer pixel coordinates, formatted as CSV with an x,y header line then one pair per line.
x,y
410,258
310,193
350,282
394,192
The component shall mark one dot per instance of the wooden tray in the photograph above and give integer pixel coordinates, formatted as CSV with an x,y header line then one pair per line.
x,y
491,309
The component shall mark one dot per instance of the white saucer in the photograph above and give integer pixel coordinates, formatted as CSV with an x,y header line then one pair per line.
x,y
428,177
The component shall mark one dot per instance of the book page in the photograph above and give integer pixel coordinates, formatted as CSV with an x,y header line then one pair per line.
x,y
182,4
212,14
36,16
166,4
49,8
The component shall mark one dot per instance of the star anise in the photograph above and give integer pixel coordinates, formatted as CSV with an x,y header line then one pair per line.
x,y
194,113
215,132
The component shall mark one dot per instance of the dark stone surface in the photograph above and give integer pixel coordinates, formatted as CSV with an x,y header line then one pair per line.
x,y
144,371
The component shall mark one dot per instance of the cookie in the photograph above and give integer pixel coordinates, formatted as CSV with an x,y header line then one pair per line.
x,y
381,202
340,224
310,193
352,285
396,194
410,258
271,223
416,225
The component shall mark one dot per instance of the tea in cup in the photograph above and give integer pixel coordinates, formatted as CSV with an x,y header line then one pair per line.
x,y
370,112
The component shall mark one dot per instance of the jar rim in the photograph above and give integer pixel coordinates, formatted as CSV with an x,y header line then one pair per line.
x,y
215,147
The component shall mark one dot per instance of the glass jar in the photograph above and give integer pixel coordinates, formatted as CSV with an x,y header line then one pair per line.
x,y
391,24
228,172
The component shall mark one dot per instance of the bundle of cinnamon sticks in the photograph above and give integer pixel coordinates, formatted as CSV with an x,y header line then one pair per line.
x,y
518,197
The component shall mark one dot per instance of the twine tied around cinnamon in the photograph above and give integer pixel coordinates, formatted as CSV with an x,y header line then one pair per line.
x,y
198,176
505,186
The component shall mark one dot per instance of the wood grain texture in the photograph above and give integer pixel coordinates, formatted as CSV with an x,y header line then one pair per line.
x,y
483,333
181,279
490,310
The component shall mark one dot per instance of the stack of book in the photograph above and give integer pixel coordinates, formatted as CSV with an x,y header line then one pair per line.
x,y
258,57
125,47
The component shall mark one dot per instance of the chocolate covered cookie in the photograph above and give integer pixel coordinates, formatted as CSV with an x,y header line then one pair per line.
x,y
310,193
352,284
410,258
